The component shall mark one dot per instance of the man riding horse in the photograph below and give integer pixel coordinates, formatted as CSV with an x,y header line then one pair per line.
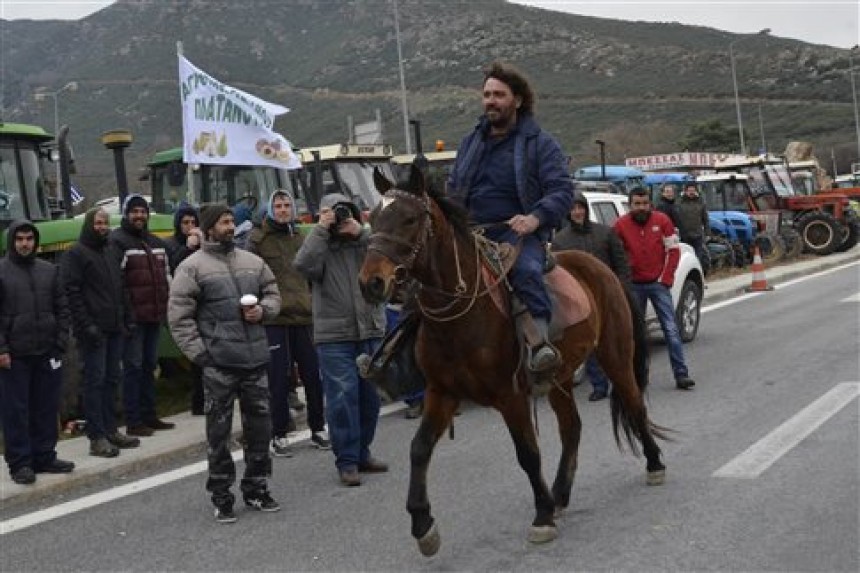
x,y
512,178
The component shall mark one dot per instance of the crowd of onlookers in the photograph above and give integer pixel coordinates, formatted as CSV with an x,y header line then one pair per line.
x,y
243,317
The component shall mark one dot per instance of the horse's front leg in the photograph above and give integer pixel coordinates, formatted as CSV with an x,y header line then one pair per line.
x,y
518,420
438,411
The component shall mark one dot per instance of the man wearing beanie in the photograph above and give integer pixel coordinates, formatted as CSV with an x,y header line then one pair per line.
x,y
34,325
601,241
93,282
290,333
146,275
219,329
187,238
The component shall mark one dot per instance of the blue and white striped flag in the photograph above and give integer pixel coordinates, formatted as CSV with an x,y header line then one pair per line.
x,y
76,195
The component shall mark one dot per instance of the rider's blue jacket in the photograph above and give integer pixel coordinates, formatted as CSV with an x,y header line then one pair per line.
x,y
543,182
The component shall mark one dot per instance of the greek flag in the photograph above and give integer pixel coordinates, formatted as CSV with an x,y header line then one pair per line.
x,y
76,195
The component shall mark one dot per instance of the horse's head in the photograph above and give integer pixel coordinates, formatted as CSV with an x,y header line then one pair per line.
x,y
401,226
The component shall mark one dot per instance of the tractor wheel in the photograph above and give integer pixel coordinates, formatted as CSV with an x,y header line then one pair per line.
x,y
770,246
793,242
850,234
820,233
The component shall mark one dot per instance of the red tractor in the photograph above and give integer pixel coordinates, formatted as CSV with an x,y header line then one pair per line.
x,y
825,221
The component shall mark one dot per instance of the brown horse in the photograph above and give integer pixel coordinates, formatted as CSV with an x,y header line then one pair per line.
x,y
467,348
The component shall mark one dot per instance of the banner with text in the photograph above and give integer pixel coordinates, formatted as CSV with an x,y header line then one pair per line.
x,y
222,125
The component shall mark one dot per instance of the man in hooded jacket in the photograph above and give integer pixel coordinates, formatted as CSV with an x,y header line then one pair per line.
x,y
146,275
99,310
34,331
290,333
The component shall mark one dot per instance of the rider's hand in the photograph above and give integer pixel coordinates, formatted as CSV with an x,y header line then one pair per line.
x,y
524,224
253,314
6,360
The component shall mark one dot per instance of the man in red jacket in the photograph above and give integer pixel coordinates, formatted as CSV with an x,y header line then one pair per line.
x,y
652,246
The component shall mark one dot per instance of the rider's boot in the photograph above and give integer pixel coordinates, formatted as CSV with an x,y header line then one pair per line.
x,y
544,356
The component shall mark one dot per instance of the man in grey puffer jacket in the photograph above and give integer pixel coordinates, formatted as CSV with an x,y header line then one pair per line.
x,y
345,326
227,339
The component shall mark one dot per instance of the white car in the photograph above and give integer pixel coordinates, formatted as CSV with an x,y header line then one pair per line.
x,y
688,289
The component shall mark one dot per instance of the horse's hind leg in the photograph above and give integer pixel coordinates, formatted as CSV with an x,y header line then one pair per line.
x,y
570,430
438,411
516,414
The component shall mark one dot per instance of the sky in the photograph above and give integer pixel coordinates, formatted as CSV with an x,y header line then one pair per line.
x,y
829,22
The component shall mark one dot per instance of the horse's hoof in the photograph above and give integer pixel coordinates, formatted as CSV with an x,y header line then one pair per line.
x,y
430,543
657,477
542,533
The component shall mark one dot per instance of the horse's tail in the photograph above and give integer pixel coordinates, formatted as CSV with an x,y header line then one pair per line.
x,y
630,419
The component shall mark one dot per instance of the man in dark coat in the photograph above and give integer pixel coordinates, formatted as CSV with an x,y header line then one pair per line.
x,y
34,331
602,242
187,238
99,310
694,224
146,275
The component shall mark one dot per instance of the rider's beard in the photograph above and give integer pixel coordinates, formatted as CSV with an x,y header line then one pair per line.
x,y
641,217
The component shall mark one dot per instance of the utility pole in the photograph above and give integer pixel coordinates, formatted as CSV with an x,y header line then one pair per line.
x,y
403,105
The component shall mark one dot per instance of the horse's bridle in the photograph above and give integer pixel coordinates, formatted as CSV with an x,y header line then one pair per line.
x,y
381,242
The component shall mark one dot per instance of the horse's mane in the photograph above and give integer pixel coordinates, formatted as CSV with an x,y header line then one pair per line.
x,y
453,212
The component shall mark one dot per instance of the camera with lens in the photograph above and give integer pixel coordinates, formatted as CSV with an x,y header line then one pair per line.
x,y
342,212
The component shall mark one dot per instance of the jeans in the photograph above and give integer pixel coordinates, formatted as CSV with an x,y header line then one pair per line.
x,y
352,403
102,369
598,379
29,403
138,361
290,344
526,276
661,299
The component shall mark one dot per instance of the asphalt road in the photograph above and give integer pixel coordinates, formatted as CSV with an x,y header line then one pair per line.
x,y
778,372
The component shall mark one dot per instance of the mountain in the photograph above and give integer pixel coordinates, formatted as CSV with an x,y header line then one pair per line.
x,y
639,86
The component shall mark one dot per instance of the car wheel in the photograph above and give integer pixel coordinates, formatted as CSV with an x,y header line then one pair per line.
x,y
689,310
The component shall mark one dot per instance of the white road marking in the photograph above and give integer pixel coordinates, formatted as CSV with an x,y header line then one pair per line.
x,y
761,455
30,519
747,296
852,298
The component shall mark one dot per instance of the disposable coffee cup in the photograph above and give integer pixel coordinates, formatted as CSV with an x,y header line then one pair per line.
x,y
248,301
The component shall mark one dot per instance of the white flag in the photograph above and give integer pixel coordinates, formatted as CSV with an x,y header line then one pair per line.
x,y
225,126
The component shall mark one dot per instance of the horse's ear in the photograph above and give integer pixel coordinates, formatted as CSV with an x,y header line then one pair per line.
x,y
380,181
416,179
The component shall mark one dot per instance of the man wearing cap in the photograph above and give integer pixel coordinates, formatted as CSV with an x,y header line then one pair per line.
x,y
345,327
226,338
290,333
146,274
34,330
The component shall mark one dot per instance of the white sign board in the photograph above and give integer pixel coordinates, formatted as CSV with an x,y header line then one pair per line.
x,y
222,125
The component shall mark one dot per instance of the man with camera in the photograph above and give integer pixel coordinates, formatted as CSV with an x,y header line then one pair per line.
x,y
345,326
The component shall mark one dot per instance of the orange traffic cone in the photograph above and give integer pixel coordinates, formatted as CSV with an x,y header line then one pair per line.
x,y
759,281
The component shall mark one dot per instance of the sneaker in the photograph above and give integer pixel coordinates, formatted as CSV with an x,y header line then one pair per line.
x,y
320,440
262,502
102,448
373,466
684,383
158,424
57,466
280,447
122,441
349,477
24,475
139,430
295,402
224,514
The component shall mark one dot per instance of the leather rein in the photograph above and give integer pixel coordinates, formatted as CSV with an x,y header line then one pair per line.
x,y
381,242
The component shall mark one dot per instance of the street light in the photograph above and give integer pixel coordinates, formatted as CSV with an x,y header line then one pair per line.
x,y
735,83
40,96
854,96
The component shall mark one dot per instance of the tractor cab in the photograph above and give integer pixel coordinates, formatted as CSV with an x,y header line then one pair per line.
x,y
172,183
624,178
439,165
23,192
342,168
